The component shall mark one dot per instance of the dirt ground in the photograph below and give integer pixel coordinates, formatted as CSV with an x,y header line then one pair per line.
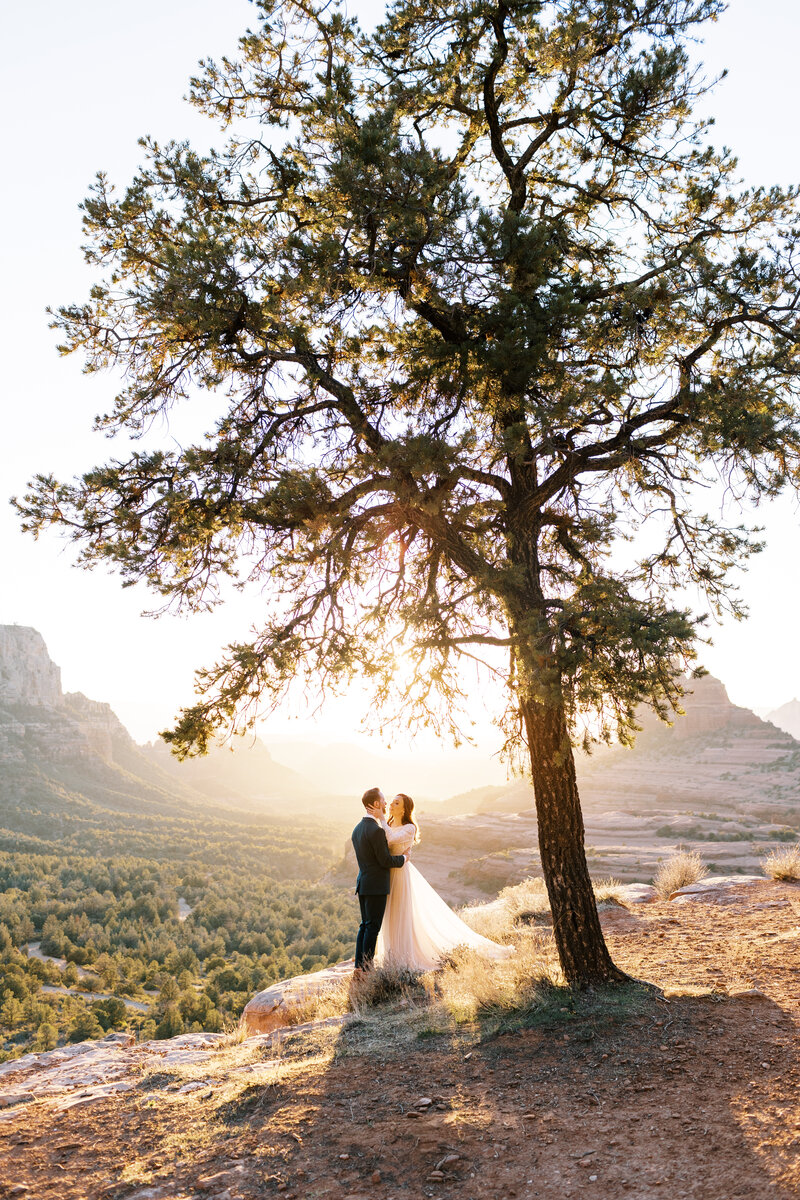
x,y
690,1093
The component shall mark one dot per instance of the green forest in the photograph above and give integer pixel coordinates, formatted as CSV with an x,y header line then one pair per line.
x,y
98,891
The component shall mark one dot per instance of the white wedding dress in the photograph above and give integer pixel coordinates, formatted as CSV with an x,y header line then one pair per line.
x,y
418,928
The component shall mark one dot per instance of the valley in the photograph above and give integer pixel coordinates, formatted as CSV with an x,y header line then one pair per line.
x,y
142,893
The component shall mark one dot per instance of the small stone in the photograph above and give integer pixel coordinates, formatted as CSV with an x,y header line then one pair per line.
x,y
447,1161
765,1066
424,1102
592,1179
375,1177
753,993
411,1114
663,1047
19,1189
344,1156
435,1176
9,1099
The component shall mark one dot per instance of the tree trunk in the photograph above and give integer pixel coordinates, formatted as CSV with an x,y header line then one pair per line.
x,y
584,956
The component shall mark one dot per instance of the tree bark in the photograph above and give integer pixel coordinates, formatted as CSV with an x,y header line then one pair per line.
x,y
582,950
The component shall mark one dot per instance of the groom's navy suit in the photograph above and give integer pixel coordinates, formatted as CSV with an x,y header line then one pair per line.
x,y
372,887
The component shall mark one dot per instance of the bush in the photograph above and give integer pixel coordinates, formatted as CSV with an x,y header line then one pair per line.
x,y
111,1013
171,1022
679,871
783,864
84,1027
46,1037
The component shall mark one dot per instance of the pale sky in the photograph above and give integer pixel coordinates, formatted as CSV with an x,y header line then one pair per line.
x,y
82,82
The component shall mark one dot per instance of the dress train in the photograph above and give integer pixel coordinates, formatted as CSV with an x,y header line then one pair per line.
x,y
418,928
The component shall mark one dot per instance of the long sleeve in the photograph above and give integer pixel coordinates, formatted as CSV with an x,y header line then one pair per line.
x,y
400,839
381,849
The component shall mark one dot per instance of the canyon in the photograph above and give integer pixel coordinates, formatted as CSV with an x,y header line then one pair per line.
x,y
719,779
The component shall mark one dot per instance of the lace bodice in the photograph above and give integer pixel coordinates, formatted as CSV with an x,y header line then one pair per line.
x,y
400,837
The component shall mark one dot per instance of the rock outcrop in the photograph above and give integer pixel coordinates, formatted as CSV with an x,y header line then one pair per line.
x,y
273,1007
707,709
89,1071
27,674
40,724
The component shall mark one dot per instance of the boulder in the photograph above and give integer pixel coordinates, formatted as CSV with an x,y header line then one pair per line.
x,y
271,1009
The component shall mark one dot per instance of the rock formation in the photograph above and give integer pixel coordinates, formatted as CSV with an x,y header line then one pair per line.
x,y
49,740
707,709
27,675
38,722
274,1007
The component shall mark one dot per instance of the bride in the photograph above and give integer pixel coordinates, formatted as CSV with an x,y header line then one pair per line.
x,y
418,928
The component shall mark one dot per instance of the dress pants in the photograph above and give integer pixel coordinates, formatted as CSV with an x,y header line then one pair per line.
x,y
372,910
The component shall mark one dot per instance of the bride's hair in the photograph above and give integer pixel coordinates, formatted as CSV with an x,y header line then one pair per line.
x,y
408,814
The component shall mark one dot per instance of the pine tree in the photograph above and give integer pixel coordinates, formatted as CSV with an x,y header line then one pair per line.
x,y
476,303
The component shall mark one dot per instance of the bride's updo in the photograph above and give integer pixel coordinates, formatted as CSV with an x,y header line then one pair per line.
x,y
408,814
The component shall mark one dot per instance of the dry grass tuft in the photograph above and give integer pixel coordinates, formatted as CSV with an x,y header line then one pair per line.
x,y
373,988
470,987
783,864
498,920
606,891
679,871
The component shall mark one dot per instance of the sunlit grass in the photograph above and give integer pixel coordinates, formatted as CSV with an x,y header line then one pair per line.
x,y
783,864
681,869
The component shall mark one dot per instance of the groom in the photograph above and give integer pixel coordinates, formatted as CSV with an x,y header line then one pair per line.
x,y
374,864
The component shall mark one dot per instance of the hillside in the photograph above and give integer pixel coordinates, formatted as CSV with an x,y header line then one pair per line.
x,y
687,1090
787,717
128,895
720,780
61,752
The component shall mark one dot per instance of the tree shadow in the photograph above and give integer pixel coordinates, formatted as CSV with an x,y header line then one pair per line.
x,y
628,1092
637,1096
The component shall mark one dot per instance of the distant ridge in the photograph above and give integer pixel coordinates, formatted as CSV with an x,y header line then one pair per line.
x,y
715,752
60,752
787,717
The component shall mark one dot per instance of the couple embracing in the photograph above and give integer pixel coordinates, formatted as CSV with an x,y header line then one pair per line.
x,y
405,924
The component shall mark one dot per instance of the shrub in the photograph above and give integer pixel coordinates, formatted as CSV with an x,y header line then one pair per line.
x,y
783,864
524,904
171,1022
84,1027
46,1037
679,871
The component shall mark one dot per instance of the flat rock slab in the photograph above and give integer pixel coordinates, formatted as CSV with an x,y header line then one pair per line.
x,y
636,893
271,1009
89,1071
713,890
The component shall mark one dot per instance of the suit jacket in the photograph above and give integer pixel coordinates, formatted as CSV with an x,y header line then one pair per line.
x,y
373,857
